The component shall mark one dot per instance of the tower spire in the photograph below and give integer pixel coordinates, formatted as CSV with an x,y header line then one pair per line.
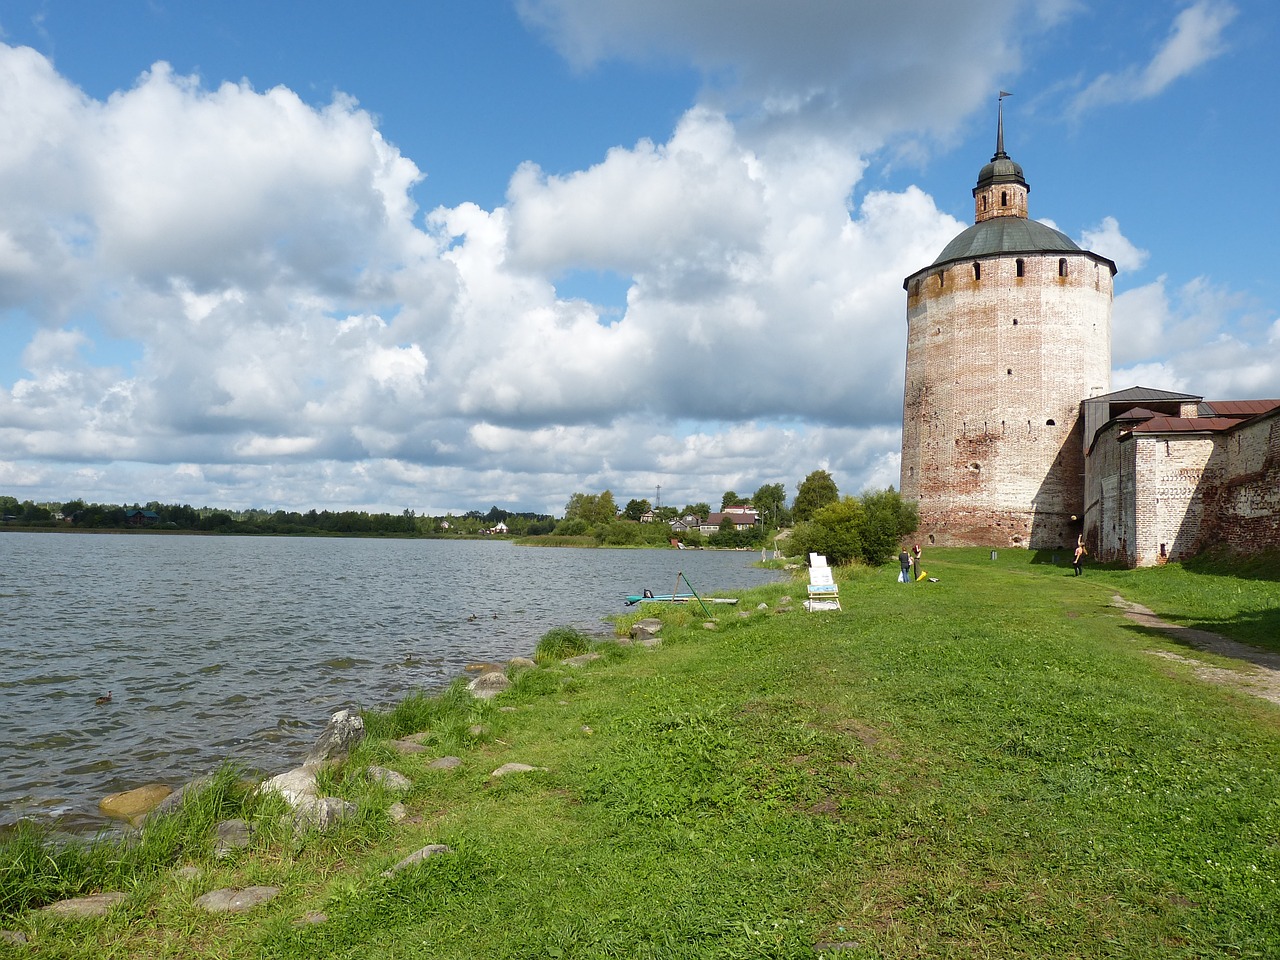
x,y
1001,190
1000,154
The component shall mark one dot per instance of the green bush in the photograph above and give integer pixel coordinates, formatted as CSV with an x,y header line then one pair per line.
x,y
572,527
619,533
835,532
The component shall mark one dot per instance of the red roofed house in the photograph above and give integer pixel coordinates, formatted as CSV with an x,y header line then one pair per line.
x,y
743,518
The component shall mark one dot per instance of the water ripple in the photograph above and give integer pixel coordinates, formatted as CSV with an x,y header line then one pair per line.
x,y
239,648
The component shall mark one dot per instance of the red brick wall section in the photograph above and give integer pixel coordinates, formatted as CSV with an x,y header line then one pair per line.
x,y
1184,493
1245,500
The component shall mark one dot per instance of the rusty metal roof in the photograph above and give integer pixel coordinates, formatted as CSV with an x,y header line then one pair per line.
x,y
1186,425
1238,408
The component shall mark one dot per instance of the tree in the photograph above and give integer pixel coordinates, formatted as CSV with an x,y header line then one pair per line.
x,y
592,507
868,528
835,531
731,499
814,492
636,509
887,519
769,501
700,510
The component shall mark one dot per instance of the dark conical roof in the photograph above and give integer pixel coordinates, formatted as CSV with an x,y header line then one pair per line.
x,y
1001,169
1006,235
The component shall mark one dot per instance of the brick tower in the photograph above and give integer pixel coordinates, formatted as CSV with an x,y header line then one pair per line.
x,y
1008,330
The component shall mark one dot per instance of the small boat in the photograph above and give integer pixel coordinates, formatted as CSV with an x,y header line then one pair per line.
x,y
648,597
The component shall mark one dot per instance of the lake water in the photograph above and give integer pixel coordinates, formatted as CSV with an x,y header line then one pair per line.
x,y
241,647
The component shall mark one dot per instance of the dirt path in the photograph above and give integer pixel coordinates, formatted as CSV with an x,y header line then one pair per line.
x,y
1258,673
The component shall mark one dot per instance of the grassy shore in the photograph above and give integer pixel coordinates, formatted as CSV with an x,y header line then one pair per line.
x,y
992,765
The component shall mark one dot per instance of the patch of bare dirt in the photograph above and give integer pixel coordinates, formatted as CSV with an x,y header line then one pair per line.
x,y
1258,672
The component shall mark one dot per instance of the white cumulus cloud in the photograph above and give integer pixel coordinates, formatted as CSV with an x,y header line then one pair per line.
x,y
1195,38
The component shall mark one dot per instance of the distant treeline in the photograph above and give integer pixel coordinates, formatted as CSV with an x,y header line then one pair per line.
x,y
167,516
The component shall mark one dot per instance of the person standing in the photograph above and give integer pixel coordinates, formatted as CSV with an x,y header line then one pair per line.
x,y
1079,558
904,561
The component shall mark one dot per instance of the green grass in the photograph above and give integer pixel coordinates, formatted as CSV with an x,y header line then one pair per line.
x,y
36,869
988,766
1239,598
560,643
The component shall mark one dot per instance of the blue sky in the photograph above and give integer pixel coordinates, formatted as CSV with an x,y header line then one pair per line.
x,y
445,255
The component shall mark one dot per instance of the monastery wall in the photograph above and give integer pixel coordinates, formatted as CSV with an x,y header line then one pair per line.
x,y
1244,504
997,364
1155,498
1169,506
1109,531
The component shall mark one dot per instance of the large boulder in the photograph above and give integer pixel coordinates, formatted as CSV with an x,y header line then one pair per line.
x,y
320,813
295,786
133,805
488,685
344,732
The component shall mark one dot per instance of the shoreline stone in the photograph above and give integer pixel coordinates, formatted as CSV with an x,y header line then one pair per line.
x,y
134,805
343,733
488,685
417,857
391,779
231,900
231,835
507,768
295,786
96,905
